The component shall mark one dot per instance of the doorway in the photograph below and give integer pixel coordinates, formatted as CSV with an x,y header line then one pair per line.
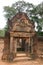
x,y
21,45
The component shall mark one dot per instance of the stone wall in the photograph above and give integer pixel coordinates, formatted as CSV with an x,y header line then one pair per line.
x,y
1,46
37,47
40,47
6,48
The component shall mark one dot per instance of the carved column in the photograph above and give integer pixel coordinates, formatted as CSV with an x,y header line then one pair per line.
x,y
15,47
28,46
35,47
31,45
11,44
32,48
11,54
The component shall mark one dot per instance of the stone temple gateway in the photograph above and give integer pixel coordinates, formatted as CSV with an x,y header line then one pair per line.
x,y
20,37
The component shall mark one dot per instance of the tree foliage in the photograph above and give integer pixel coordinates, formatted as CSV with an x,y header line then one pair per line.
x,y
16,7
10,11
39,9
35,13
2,33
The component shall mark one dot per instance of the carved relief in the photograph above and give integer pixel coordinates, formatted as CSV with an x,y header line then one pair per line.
x,y
22,25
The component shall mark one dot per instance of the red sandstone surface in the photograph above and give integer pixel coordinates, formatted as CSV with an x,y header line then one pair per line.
x,y
22,62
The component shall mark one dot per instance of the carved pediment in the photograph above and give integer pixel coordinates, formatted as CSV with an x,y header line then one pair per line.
x,y
21,27
21,23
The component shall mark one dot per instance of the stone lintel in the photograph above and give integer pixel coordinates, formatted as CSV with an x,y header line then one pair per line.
x,y
21,34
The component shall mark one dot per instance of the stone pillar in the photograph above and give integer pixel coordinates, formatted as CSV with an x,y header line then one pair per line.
x,y
15,47
11,54
28,46
32,49
32,45
11,44
35,48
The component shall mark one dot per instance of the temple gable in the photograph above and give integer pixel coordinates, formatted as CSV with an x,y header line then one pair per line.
x,y
21,22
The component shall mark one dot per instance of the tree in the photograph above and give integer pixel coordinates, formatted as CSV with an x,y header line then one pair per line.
x,y
10,11
39,13
32,11
19,6
16,7
2,33
39,10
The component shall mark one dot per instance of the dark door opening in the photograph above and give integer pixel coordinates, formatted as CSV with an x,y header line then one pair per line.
x,y
21,45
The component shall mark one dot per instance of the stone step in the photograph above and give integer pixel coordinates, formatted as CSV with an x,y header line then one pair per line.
x,y
20,54
21,57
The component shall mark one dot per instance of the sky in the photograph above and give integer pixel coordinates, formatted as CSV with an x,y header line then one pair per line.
x,y
9,3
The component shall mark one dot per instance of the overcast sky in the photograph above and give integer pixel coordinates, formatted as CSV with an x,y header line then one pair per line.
x,y
9,2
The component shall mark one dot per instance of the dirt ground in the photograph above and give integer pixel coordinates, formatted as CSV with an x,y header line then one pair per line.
x,y
22,63
26,62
